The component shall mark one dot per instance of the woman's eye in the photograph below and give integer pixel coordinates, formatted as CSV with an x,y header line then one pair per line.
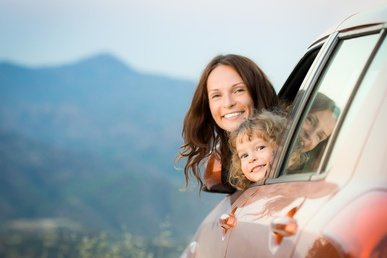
x,y
214,96
321,137
238,90
312,119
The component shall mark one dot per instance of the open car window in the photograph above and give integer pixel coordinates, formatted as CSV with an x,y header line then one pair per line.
x,y
326,102
291,86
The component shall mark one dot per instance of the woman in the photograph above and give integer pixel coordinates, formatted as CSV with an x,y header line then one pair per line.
x,y
230,89
315,132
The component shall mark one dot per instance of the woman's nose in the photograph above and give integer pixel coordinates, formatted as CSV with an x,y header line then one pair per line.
x,y
228,101
314,140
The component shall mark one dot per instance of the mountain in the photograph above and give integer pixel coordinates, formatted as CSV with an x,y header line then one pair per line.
x,y
94,142
97,104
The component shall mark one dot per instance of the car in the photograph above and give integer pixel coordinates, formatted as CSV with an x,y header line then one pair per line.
x,y
335,204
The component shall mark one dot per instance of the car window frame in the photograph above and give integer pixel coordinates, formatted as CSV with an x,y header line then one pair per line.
x,y
309,86
322,169
326,46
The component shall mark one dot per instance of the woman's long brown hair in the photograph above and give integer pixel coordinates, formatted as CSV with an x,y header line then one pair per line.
x,y
201,135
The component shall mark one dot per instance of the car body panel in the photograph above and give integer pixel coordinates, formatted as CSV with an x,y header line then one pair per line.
x,y
369,17
265,204
365,151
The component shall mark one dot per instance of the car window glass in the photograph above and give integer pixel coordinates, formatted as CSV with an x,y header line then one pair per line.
x,y
295,79
323,110
360,101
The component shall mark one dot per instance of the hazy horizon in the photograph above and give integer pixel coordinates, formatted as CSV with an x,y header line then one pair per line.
x,y
172,38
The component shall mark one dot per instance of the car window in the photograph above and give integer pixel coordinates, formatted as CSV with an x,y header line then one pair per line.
x,y
361,106
326,103
295,79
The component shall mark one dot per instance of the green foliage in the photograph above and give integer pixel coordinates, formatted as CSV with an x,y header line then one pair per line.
x,y
60,243
91,143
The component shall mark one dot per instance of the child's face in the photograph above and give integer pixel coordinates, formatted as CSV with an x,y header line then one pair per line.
x,y
256,156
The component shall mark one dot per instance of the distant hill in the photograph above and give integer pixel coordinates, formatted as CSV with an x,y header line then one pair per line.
x,y
97,104
95,142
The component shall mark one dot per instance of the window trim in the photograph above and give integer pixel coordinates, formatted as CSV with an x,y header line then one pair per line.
x,y
322,169
309,86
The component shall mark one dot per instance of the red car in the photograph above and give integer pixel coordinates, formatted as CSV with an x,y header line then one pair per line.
x,y
335,203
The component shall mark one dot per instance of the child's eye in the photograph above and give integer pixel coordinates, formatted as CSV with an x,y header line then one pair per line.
x,y
260,147
243,156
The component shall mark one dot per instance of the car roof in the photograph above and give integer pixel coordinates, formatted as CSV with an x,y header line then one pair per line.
x,y
368,17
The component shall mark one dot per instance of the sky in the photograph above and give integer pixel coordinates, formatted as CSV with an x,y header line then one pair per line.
x,y
176,38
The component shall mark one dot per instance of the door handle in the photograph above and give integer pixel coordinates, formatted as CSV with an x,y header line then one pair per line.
x,y
284,226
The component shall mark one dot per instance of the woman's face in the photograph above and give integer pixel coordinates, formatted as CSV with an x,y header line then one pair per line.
x,y
229,99
317,127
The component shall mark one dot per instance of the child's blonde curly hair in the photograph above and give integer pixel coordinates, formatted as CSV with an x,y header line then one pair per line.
x,y
266,125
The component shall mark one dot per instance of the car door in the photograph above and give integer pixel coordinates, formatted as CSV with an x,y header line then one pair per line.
x,y
270,217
